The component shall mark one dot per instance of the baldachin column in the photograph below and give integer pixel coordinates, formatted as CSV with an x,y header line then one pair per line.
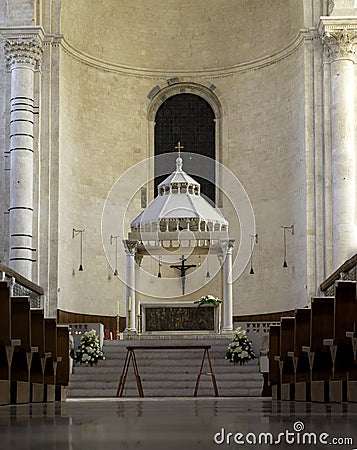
x,y
130,251
227,248
340,41
23,55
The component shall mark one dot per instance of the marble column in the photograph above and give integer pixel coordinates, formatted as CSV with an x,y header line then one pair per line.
x,y
227,248
130,250
340,50
23,54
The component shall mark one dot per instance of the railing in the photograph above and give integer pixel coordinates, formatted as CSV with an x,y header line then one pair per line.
x,y
348,271
21,286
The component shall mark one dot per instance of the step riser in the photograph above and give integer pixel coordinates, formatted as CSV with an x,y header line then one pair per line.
x,y
171,373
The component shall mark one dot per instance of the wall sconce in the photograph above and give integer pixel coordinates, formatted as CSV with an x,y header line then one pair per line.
x,y
112,239
253,238
160,264
74,234
291,230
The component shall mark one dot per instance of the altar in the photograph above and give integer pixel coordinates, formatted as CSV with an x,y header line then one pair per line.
x,y
179,317
188,239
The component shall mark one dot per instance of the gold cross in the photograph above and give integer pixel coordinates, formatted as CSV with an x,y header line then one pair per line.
x,y
179,147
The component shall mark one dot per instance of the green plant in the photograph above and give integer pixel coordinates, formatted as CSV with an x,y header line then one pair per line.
x,y
208,300
89,351
240,350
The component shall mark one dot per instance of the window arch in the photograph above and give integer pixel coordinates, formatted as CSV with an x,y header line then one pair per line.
x,y
189,119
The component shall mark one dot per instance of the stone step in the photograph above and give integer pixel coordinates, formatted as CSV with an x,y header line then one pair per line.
x,y
122,348
178,376
154,382
167,364
171,373
170,340
184,392
117,366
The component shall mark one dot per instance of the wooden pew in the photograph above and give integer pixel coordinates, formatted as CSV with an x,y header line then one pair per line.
x,y
352,372
274,350
38,338
320,362
286,367
299,358
22,358
340,346
52,362
7,343
63,365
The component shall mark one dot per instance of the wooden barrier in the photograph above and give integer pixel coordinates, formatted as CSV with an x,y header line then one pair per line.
x,y
286,366
22,359
322,321
51,363
299,358
274,350
38,338
7,343
62,378
340,346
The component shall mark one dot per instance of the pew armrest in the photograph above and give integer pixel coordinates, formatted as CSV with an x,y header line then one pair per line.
x,y
328,342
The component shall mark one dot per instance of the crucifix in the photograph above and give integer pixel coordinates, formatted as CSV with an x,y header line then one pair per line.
x,y
179,147
183,268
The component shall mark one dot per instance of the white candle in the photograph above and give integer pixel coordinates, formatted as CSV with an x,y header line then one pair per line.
x,y
130,304
118,309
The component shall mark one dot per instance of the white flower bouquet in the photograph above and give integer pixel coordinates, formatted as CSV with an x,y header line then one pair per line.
x,y
240,350
208,300
89,351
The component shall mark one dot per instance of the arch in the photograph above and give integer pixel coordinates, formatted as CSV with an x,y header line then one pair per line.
x,y
185,88
212,100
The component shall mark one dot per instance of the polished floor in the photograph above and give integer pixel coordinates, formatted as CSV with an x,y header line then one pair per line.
x,y
184,423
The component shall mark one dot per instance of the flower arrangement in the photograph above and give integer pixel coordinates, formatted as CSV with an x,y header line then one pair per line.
x,y
240,350
89,351
208,300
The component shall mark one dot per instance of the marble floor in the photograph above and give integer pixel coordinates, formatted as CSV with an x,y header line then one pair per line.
x,y
183,423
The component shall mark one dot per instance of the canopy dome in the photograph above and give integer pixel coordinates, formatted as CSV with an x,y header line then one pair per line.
x,y
179,206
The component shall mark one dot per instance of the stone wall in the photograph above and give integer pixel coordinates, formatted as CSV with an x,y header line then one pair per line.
x,y
104,131
93,97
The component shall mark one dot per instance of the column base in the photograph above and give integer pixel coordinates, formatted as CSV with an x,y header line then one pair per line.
x,y
227,330
130,334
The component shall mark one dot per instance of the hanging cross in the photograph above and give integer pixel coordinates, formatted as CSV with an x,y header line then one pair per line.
x,y
183,268
179,147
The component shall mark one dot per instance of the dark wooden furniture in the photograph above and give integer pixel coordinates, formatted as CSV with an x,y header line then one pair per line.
x,y
23,354
7,343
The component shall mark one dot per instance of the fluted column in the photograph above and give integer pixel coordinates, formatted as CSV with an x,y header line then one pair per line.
x,y
23,54
130,251
227,248
340,40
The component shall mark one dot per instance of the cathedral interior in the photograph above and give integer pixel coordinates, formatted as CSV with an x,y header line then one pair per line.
x,y
156,153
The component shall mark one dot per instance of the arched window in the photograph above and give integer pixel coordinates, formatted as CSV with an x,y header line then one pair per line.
x,y
188,119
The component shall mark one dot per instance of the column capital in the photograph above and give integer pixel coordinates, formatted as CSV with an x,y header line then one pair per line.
x,y
130,246
23,45
227,245
339,38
